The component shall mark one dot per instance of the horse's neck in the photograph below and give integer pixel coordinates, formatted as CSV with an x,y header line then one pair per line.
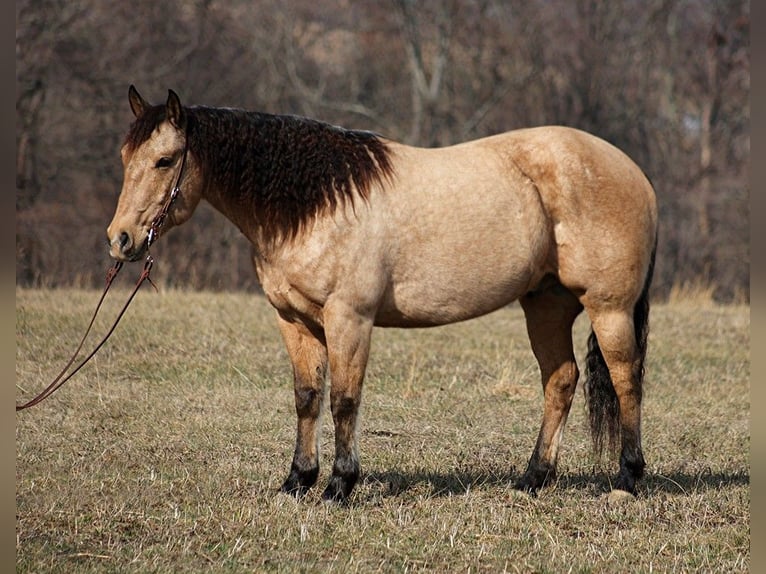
x,y
242,215
272,197
224,191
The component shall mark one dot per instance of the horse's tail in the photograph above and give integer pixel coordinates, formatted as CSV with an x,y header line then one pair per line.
x,y
603,406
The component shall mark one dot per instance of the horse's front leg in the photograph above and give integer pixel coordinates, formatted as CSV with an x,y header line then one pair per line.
x,y
308,354
348,341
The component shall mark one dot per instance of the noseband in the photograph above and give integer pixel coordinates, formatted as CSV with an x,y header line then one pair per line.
x,y
111,274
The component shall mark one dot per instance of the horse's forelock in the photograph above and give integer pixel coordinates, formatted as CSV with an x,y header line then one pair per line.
x,y
142,127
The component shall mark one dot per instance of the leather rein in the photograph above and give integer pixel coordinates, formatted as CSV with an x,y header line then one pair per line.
x,y
111,274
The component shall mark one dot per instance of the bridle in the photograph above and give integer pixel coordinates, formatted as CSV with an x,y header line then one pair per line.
x,y
159,220
154,233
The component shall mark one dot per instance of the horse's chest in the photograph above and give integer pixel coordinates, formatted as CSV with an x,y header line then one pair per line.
x,y
288,298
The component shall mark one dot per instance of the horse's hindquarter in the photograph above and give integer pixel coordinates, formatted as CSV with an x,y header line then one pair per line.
x,y
602,207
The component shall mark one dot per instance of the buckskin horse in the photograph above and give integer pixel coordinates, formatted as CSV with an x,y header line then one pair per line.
x,y
350,230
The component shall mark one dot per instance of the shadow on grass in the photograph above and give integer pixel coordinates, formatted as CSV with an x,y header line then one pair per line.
x,y
394,483
680,482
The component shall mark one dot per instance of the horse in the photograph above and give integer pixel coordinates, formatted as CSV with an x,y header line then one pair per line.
x,y
351,230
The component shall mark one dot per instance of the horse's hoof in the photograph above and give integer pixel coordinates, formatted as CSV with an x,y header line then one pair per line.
x,y
619,497
295,491
338,490
334,499
536,477
526,489
298,482
533,481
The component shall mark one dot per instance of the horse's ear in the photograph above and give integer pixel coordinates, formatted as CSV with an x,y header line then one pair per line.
x,y
175,111
137,104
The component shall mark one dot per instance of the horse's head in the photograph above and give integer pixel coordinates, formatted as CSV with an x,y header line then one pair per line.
x,y
155,158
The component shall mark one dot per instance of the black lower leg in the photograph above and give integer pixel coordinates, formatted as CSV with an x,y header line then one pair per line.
x,y
345,471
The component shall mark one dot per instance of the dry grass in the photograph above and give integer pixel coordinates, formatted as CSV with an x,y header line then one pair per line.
x,y
166,453
694,293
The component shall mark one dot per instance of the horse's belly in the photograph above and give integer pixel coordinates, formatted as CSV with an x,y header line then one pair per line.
x,y
468,267
452,296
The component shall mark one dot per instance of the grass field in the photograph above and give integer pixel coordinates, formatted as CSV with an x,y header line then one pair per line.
x,y
165,454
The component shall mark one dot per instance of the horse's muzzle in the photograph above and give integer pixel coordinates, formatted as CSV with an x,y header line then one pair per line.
x,y
122,247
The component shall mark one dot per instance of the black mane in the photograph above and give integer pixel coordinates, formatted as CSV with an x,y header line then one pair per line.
x,y
288,169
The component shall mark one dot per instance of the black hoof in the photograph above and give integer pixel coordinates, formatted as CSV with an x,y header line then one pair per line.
x,y
535,478
298,482
625,482
631,470
527,486
294,490
339,488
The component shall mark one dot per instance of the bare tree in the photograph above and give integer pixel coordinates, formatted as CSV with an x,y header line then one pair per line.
x,y
665,80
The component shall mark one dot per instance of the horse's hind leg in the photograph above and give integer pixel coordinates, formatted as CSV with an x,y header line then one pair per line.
x,y
550,315
615,345
308,354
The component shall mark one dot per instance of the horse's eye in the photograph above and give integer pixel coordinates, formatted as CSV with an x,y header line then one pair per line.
x,y
163,162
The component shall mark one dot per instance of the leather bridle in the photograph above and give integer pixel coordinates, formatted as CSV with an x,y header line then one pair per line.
x,y
111,274
159,221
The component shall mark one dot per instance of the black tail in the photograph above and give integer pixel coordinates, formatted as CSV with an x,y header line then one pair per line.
x,y
603,407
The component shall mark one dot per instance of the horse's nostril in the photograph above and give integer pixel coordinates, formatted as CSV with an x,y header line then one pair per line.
x,y
124,240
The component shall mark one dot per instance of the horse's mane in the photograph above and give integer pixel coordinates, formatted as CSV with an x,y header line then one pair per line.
x,y
288,169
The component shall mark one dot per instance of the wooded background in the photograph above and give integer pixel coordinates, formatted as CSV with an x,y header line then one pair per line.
x,y
668,81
